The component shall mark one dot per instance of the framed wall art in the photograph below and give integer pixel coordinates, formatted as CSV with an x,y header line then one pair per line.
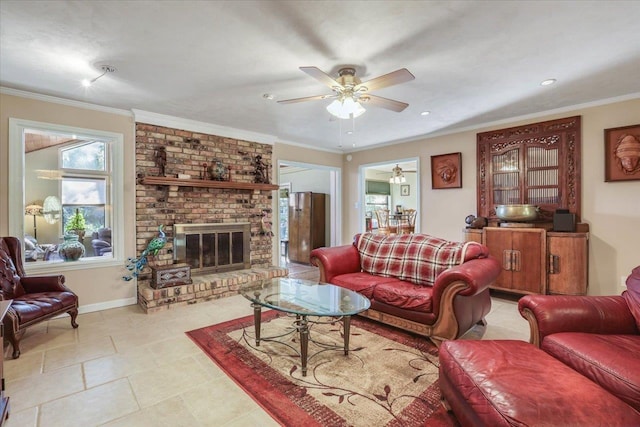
x,y
446,171
622,153
404,190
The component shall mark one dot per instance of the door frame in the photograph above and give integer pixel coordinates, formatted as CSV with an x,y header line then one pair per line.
x,y
335,199
362,185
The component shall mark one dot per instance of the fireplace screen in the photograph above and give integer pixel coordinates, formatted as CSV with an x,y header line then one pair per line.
x,y
213,247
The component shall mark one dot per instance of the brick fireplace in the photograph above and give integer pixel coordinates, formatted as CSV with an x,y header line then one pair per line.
x,y
179,205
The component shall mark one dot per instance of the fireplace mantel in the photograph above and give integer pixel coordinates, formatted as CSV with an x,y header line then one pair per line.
x,y
163,180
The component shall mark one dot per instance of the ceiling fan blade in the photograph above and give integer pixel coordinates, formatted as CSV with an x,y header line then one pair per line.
x,y
307,98
378,101
396,77
321,76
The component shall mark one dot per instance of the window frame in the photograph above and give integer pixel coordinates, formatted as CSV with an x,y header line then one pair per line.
x,y
17,128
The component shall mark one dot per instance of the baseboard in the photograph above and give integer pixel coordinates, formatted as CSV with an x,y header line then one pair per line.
x,y
90,308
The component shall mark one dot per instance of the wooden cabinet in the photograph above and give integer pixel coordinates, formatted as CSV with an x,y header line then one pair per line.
x,y
537,261
536,164
473,235
568,260
4,400
306,224
522,255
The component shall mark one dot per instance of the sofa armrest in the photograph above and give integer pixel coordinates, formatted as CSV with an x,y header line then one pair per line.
x,y
477,275
35,284
335,261
550,314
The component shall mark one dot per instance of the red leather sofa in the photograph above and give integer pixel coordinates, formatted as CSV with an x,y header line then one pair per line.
x,y
430,286
582,367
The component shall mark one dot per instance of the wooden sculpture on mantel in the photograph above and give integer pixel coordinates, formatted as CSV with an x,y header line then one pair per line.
x,y
261,171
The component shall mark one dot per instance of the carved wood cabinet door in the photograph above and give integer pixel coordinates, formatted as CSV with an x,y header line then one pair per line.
x,y
537,164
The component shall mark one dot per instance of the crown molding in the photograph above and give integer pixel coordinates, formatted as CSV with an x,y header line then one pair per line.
x,y
310,147
570,108
202,127
63,101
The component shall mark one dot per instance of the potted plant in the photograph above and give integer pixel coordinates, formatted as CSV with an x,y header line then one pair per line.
x,y
76,224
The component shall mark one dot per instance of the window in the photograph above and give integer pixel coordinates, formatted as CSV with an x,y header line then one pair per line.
x,y
85,183
56,172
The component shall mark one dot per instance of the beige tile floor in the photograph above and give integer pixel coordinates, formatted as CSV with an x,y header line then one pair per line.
x,y
122,367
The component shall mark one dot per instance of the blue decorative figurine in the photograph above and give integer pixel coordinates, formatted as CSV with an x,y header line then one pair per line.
x,y
135,265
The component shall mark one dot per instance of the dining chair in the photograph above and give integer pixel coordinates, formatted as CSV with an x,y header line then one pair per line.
x,y
408,224
384,222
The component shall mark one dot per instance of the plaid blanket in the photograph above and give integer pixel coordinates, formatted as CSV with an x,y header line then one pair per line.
x,y
416,258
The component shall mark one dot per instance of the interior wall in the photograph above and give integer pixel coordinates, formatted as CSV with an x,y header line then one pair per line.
x,y
287,153
315,181
97,288
612,209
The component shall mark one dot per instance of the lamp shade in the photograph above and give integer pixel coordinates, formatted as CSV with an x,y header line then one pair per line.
x,y
33,210
345,107
51,209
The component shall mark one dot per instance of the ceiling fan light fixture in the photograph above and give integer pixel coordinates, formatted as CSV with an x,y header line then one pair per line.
x,y
345,107
397,176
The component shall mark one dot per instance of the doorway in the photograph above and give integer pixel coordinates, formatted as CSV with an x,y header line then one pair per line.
x,y
392,185
296,177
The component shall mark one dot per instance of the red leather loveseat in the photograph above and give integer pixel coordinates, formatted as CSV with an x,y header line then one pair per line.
x,y
581,369
417,282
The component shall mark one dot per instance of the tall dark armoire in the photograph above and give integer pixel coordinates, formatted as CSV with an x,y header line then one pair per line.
x,y
306,224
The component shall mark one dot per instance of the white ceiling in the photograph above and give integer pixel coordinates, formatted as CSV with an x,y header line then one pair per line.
x,y
475,62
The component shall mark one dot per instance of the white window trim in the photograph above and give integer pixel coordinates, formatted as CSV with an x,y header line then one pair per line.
x,y
17,190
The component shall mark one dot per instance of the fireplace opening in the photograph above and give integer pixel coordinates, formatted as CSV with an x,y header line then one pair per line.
x,y
208,248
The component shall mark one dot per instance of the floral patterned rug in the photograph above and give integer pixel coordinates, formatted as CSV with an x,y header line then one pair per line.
x,y
389,377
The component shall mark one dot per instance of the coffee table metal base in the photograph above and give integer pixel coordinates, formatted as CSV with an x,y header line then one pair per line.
x,y
302,327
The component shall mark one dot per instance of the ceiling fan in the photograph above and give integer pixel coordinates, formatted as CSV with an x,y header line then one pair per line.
x,y
349,92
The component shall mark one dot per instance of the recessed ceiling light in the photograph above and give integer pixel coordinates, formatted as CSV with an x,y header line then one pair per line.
x,y
547,82
267,96
425,113
349,132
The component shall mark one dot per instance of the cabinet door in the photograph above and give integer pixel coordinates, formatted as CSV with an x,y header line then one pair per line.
x,y
521,253
568,263
499,242
536,164
528,263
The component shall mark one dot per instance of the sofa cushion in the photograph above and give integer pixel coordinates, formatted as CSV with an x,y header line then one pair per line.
x,y
416,258
363,283
34,306
609,360
10,285
513,383
405,295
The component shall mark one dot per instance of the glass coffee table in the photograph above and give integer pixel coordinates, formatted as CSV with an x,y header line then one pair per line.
x,y
304,298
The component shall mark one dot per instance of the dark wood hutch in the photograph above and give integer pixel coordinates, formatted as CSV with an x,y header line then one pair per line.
x,y
537,164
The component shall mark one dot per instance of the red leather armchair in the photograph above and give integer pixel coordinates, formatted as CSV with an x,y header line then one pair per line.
x,y
597,336
35,298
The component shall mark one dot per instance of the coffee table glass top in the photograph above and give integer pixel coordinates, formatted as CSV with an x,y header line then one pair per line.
x,y
305,297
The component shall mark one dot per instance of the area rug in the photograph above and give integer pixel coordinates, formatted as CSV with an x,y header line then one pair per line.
x,y
389,377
